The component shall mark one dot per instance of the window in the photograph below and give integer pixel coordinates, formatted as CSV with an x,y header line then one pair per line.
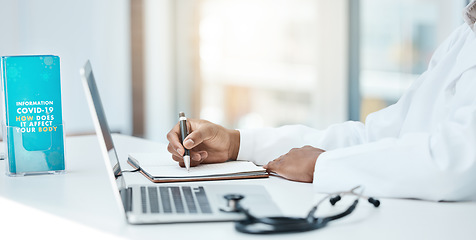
x,y
258,61
397,41
244,63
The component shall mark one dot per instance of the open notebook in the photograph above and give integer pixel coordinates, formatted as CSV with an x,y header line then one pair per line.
x,y
159,168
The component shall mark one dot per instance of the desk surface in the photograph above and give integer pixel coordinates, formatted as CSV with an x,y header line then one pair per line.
x,y
81,203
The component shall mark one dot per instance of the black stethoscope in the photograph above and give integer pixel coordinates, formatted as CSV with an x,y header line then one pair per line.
x,y
268,225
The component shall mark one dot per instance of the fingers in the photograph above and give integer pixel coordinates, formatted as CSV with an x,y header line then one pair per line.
x,y
273,166
177,150
197,136
199,156
173,151
204,138
175,145
192,164
276,166
196,158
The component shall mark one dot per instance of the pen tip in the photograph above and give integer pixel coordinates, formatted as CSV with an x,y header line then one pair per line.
x,y
181,114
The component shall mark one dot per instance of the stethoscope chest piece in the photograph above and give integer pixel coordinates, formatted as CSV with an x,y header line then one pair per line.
x,y
232,204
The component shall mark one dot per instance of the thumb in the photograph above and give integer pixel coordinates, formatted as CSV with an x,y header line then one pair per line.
x,y
196,137
188,143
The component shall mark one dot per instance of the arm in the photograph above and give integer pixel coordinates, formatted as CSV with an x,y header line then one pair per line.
x,y
435,165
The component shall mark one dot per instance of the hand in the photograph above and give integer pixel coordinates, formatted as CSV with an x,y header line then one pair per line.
x,y
297,165
207,142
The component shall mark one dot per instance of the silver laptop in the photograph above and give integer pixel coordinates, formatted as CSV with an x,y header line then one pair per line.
x,y
167,203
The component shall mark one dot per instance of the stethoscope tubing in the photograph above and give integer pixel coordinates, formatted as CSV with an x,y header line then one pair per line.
x,y
270,225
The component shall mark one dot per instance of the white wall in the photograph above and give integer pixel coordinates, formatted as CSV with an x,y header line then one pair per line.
x,y
330,103
160,115
76,30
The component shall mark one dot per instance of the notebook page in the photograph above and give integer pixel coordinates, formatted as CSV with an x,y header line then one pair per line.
x,y
155,165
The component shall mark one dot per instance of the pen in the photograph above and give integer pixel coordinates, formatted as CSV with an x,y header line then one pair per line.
x,y
183,135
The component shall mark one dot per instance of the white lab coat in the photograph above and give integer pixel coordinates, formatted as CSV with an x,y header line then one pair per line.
x,y
424,146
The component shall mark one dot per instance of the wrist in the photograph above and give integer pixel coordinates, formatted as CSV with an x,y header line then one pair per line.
x,y
234,144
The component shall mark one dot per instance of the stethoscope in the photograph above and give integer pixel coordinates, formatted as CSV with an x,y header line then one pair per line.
x,y
268,225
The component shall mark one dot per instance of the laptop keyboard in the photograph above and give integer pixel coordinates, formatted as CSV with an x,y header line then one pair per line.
x,y
180,199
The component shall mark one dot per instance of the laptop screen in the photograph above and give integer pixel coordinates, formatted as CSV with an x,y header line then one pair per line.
x,y
101,125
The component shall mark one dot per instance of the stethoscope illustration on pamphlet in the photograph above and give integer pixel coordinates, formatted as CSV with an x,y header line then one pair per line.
x,y
269,225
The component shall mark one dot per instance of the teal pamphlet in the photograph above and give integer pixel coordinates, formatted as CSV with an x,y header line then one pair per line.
x,y
33,124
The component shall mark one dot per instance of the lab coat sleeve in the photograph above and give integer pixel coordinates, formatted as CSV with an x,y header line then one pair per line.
x,y
439,165
266,144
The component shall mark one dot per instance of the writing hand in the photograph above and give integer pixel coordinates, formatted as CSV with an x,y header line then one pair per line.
x,y
207,142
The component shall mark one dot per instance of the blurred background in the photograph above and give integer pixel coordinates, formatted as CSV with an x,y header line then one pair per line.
x,y
239,63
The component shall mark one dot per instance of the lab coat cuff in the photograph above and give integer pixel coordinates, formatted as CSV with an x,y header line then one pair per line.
x,y
247,138
325,178
320,167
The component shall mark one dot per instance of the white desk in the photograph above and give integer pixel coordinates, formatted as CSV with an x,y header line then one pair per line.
x,y
81,204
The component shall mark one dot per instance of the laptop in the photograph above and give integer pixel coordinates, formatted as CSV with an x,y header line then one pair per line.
x,y
168,203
